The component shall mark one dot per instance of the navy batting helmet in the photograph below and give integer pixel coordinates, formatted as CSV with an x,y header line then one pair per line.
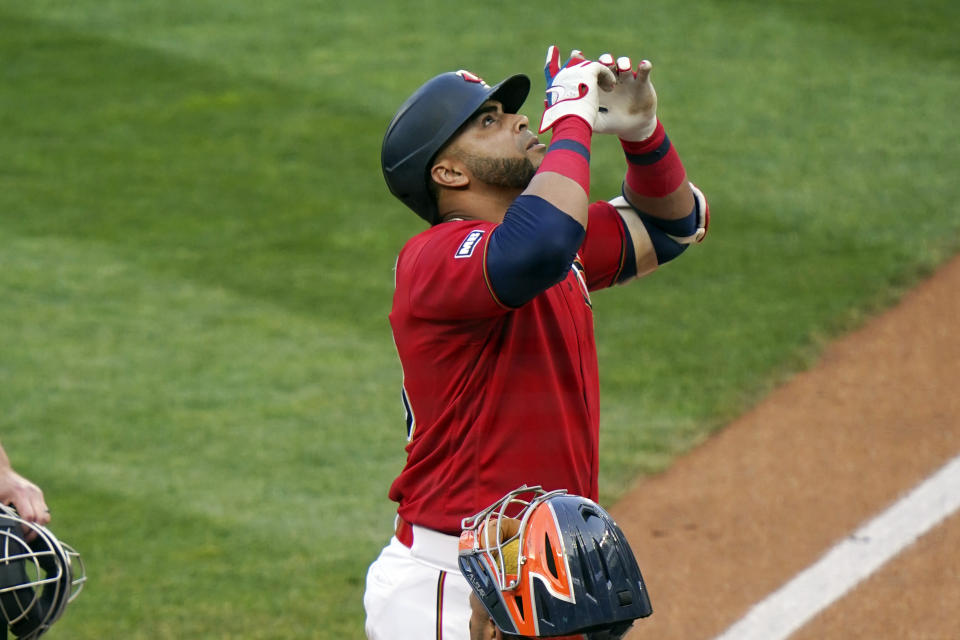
x,y
427,121
567,570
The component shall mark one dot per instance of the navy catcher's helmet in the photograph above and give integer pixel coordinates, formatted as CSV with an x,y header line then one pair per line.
x,y
427,121
38,577
568,568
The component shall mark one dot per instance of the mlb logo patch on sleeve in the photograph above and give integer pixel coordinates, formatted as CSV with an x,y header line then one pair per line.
x,y
469,244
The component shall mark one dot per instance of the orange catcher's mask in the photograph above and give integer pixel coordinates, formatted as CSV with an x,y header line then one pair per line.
x,y
552,565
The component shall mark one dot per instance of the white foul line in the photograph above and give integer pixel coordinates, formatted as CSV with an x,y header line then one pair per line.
x,y
815,588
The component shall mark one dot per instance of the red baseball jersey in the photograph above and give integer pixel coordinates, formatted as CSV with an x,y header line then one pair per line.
x,y
496,397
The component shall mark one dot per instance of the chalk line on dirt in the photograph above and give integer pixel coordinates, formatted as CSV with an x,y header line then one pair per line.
x,y
815,588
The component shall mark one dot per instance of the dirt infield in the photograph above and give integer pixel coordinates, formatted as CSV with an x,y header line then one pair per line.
x,y
739,516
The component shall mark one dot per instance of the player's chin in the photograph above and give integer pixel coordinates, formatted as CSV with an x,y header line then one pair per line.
x,y
536,154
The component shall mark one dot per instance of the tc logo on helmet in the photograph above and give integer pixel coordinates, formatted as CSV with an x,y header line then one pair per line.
x,y
472,77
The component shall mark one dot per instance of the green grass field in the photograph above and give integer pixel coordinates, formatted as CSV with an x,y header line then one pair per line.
x,y
196,252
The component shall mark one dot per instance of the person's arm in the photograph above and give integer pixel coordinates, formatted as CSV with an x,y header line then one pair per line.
x,y
534,246
23,495
663,212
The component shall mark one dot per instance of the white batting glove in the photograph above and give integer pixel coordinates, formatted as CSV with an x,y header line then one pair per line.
x,y
630,110
574,88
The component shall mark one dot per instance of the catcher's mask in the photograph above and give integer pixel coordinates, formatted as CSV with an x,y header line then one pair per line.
x,y
568,571
38,577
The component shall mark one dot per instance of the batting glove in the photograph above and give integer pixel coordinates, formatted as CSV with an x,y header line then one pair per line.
x,y
630,110
573,89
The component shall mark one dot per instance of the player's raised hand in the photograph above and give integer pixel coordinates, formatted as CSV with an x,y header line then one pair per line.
x,y
574,88
629,111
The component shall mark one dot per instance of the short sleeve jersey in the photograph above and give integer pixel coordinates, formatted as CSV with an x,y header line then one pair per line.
x,y
496,397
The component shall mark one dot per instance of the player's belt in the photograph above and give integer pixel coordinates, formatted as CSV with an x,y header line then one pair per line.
x,y
404,532
437,549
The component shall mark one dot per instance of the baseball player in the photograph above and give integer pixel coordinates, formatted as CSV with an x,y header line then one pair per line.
x,y
559,567
492,314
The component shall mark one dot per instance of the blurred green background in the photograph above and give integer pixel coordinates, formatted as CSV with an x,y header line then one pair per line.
x,y
196,252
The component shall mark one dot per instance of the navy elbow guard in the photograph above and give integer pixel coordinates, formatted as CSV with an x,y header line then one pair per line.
x,y
531,250
670,238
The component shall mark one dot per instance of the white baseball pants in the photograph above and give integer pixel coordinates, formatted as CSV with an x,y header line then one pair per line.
x,y
417,592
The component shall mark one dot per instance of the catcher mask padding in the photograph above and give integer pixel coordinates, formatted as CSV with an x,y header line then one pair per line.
x,y
38,577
